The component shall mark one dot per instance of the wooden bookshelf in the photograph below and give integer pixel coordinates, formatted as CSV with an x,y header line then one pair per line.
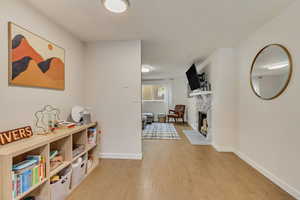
x,y
59,168
63,140
31,189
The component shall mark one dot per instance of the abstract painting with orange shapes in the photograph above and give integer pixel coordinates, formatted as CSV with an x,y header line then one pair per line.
x,y
34,61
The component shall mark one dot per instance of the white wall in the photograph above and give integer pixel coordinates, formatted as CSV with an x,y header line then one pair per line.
x,y
177,94
18,104
157,107
113,90
269,130
222,75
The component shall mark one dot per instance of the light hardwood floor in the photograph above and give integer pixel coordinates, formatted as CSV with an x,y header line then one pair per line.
x,y
176,170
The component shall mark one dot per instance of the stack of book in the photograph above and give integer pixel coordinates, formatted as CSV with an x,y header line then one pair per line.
x,y
65,124
27,174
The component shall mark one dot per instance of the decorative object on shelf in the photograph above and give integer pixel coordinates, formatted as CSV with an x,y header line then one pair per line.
x,y
77,114
81,115
271,71
34,61
47,118
87,119
204,84
15,135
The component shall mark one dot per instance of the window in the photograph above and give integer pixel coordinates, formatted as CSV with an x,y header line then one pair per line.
x,y
154,93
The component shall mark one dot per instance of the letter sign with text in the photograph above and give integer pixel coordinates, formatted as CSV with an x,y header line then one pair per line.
x,y
15,135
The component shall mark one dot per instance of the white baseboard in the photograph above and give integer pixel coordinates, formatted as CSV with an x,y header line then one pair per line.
x,y
223,149
124,156
292,191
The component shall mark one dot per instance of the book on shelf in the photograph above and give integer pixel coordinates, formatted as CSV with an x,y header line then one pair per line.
x,y
65,124
14,184
24,164
25,176
92,136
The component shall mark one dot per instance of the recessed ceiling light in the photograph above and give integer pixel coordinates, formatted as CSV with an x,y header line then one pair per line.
x,y
116,6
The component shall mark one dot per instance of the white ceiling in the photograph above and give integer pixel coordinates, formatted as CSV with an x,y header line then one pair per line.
x,y
174,33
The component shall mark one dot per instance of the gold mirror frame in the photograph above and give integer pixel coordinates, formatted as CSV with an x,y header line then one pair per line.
x,y
289,76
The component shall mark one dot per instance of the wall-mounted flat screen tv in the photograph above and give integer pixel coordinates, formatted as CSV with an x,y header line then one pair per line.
x,y
193,78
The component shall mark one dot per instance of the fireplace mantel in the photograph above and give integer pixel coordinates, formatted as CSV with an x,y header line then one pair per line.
x,y
200,93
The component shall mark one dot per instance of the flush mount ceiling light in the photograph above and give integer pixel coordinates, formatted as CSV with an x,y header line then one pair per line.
x,y
146,68
116,6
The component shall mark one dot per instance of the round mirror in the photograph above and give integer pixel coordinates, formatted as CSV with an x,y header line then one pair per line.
x,y
271,71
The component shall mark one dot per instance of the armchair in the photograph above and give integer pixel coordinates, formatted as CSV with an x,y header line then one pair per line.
x,y
177,113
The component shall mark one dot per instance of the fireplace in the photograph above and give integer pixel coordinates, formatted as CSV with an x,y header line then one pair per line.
x,y
203,123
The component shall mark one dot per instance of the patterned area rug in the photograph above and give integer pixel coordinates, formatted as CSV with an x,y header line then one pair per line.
x,y
160,131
